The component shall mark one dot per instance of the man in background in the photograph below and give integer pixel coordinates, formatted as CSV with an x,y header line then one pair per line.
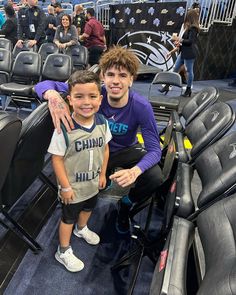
x,y
31,25
93,37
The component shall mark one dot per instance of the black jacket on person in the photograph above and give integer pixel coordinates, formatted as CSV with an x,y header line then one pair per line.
x,y
50,33
9,29
31,16
79,21
188,48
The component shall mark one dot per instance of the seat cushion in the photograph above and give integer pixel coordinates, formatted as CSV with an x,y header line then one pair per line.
x,y
16,89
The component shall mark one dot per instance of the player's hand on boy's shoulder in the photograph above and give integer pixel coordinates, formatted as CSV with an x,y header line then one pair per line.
x,y
59,110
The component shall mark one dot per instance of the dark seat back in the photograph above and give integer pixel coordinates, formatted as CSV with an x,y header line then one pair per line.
x,y
5,65
79,56
198,103
209,126
217,231
47,48
170,78
10,128
16,50
28,160
26,68
57,65
6,44
216,167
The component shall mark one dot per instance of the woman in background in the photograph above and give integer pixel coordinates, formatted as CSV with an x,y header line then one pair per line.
x,y
187,45
66,34
9,28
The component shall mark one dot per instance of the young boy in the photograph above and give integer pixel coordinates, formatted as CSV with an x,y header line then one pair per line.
x,y
79,160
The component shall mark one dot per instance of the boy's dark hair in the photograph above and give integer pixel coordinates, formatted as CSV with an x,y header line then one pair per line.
x,y
90,11
120,58
83,77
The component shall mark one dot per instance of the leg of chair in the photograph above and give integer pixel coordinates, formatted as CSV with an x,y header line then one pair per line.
x,y
140,237
7,101
33,245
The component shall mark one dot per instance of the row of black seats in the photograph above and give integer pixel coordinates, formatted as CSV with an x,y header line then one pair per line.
x,y
203,230
78,53
212,119
27,69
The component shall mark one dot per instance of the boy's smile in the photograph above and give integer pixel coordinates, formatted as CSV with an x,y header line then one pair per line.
x,y
85,100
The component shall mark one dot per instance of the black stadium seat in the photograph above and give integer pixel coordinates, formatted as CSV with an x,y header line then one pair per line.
x,y
57,66
6,44
216,167
79,56
5,65
16,50
47,48
198,103
26,71
26,164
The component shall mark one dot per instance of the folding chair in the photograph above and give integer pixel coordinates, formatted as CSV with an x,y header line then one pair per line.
x,y
162,104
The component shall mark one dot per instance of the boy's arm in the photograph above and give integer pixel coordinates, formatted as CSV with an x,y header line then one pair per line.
x,y
66,192
102,176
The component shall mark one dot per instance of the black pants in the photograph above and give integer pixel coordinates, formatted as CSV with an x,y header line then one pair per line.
x,y
147,183
95,53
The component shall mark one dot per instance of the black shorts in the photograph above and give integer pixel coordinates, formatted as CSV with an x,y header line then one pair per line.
x,y
70,212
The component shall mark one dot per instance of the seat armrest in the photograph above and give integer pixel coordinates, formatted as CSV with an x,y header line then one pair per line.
x,y
169,276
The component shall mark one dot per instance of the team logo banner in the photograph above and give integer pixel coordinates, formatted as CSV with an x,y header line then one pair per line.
x,y
146,29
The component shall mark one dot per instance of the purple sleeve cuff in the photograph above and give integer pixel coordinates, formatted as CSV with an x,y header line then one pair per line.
x,y
41,87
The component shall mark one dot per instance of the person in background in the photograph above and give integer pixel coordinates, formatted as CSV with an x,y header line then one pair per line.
x,y
79,19
186,44
2,19
80,165
31,25
58,12
127,113
66,34
51,24
93,37
9,28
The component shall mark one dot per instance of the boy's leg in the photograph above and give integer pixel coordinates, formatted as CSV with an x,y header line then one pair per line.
x,y
64,252
81,229
65,231
83,219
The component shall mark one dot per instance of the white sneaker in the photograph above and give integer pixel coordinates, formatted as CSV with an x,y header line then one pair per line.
x,y
89,236
69,260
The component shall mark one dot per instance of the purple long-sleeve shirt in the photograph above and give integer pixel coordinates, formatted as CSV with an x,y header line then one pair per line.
x,y
124,124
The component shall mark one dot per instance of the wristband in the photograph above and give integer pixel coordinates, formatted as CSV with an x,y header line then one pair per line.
x,y
65,189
